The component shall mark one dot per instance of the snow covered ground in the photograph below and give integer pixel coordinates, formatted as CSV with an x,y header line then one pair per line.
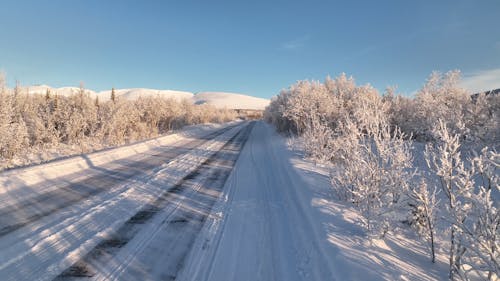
x,y
168,213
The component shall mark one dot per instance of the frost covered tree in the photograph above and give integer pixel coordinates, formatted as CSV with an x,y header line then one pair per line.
x,y
347,124
307,100
274,113
13,130
317,138
34,123
5,115
374,173
480,231
424,211
441,98
471,213
474,117
456,184
482,118
367,139
113,95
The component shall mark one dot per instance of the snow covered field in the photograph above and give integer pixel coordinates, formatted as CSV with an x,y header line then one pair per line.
x,y
169,213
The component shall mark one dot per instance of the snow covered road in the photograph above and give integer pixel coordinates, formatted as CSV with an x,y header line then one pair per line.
x,y
39,243
278,220
268,232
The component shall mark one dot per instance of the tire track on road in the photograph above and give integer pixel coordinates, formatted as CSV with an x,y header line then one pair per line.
x,y
182,210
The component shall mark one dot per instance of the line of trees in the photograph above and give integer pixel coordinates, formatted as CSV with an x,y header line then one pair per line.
x,y
31,123
371,140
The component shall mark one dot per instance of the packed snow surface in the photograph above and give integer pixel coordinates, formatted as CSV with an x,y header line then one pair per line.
x,y
218,99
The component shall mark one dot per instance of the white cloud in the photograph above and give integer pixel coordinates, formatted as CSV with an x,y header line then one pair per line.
x,y
481,81
295,44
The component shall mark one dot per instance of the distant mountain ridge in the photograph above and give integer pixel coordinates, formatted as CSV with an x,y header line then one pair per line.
x,y
487,93
218,99
493,92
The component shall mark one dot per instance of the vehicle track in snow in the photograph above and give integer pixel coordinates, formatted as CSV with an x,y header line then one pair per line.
x,y
41,250
171,221
15,216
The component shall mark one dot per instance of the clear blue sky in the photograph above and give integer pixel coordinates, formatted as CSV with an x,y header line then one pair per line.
x,y
254,47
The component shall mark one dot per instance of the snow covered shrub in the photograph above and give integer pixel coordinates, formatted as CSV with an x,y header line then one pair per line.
x,y
367,138
480,231
362,105
455,182
474,117
5,120
374,173
401,113
424,203
471,213
15,139
482,118
439,99
35,123
372,159
333,102
348,126
317,140
13,130
305,102
293,109
78,118
39,117
370,111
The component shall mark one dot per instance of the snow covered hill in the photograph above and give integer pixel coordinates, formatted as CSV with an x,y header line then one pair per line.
x,y
218,99
132,94
231,100
63,91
